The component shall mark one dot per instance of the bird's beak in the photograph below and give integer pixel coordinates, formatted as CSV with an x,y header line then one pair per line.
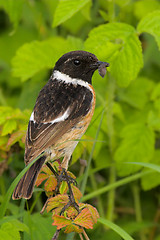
x,y
102,68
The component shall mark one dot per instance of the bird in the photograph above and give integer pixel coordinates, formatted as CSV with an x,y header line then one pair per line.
x,y
61,115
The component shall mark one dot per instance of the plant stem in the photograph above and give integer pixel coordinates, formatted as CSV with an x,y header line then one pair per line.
x,y
116,184
90,157
137,203
111,135
100,205
111,10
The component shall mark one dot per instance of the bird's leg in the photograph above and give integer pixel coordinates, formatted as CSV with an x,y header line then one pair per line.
x,y
72,201
61,177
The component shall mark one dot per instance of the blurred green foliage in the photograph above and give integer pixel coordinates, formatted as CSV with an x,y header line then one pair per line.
x,y
126,33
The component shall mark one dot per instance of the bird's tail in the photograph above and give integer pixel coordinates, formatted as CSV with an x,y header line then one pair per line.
x,y
24,188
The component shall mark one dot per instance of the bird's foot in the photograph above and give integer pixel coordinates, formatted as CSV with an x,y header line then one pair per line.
x,y
72,203
64,176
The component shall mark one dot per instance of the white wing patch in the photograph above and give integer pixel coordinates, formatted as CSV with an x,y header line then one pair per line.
x,y
61,118
32,117
58,119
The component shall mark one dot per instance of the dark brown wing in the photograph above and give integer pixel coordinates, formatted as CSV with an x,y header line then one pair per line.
x,y
58,108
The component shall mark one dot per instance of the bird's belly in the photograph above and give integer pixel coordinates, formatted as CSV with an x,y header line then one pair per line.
x,y
66,145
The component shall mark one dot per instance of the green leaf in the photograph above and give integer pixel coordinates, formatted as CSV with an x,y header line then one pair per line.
x,y
156,92
3,140
150,24
137,146
143,7
115,228
14,9
11,230
6,199
153,180
40,226
66,9
118,44
37,55
154,120
135,98
19,225
15,137
9,127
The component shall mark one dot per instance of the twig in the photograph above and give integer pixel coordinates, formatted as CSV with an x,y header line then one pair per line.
x,y
80,235
154,228
56,235
44,206
85,235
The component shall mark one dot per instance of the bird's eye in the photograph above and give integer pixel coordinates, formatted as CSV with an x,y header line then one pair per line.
x,y
77,62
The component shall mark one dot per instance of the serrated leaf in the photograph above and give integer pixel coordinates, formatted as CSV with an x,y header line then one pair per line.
x,y
15,137
150,24
94,212
14,9
5,235
3,140
12,231
50,184
76,192
41,178
40,226
84,219
137,145
73,228
19,225
61,221
63,187
156,92
120,46
57,201
5,112
66,9
154,120
37,56
117,110
71,213
153,179
9,127
135,98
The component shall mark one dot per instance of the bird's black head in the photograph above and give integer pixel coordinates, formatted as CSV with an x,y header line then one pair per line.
x,y
80,65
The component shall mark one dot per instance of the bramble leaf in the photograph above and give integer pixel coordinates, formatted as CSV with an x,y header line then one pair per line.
x,y
66,9
93,211
37,55
118,44
50,184
143,7
150,24
14,9
15,137
41,178
9,127
84,219
135,98
76,192
59,201
137,146
61,221
63,187
152,180
73,228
